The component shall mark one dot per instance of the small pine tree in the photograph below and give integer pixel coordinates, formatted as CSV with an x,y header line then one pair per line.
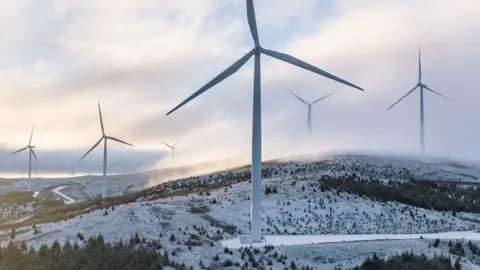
x,y
293,265
137,238
458,265
172,237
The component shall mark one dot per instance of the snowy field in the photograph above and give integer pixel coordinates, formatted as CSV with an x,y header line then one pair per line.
x,y
323,229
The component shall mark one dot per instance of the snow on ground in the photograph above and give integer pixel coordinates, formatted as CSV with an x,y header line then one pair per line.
x,y
291,210
309,211
67,199
389,167
350,254
19,220
10,213
298,207
292,240
424,168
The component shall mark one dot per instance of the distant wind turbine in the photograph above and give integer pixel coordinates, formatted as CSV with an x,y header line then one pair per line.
x,y
104,138
31,152
256,233
422,86
309,116
172,147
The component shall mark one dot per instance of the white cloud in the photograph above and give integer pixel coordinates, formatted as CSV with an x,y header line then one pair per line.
x,y
141,58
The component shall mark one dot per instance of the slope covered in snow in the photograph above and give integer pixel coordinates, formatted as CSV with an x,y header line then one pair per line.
x,y
213,208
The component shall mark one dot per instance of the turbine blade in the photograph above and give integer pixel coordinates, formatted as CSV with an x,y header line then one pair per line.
x,y
252,22
19,150
167,144
118,140
93,147
408,93
177,142
299,63
35,156
426,87
299,98
31,135
220,77
101,120
419,66
320,99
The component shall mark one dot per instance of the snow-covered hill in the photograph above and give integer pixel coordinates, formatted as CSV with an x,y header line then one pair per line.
x,y
193,224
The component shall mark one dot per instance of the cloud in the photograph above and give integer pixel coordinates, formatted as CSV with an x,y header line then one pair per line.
x,y
141,58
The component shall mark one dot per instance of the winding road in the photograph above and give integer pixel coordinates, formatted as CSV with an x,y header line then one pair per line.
x,y
67,199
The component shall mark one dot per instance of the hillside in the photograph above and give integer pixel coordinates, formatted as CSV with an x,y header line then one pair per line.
x,y
340,195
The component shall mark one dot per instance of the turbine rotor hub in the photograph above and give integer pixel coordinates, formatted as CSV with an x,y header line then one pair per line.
x,y
257,49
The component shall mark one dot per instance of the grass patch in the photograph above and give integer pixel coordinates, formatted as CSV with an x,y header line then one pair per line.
x,y
17,197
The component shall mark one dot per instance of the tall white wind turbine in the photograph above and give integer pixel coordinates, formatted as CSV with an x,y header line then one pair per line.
x,y
105,138
422,87
172,147
31,152
309,116
256,233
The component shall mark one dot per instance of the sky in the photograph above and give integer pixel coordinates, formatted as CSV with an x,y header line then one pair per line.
x,y
141,58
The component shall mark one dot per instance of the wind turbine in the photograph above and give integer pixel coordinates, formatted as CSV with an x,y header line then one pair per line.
x,y
172,147
31,152
422,86
105,138
309,116
256,195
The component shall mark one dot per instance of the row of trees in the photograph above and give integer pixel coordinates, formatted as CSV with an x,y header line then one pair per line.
x,y
410,261
95,254
424,194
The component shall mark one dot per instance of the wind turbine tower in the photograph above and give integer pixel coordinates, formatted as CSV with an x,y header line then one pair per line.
x,y
310,105
422,87
104,138
256,52
31,152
